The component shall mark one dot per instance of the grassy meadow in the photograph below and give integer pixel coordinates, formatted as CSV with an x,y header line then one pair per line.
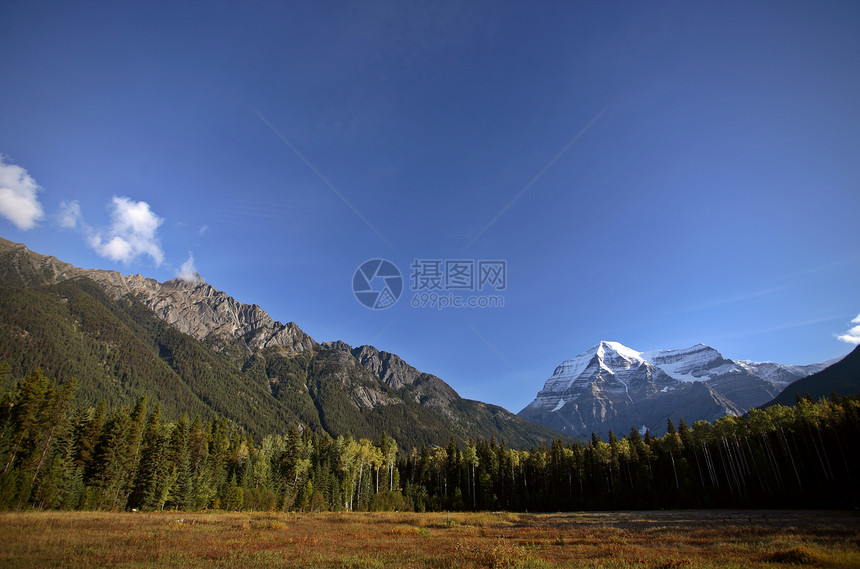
x,y
495,540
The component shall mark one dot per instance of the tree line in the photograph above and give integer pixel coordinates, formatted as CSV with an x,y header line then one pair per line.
x,y
54,455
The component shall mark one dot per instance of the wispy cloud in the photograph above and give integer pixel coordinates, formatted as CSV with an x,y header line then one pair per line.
x,y
188,272
70,216
19,200
852,336
132,233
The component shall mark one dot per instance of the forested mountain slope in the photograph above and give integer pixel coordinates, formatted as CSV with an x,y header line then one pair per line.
x,y
201,352
842,378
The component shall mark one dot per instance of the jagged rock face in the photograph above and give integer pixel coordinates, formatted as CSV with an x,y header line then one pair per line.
x,y
195,308
389,368
366,395
200,310
611,387
422,388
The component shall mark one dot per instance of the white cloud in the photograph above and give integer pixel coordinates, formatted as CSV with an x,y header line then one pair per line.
x,y
852,336
132,233
70,216
188,272
18,200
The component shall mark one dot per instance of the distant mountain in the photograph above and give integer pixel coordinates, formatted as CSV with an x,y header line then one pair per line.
x,y
841,378
612,387
199,351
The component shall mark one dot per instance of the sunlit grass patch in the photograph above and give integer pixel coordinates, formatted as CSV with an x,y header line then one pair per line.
x,y
497,553
796,556
360,562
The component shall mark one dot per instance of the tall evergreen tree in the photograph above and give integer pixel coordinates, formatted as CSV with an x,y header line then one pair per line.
x,y
149,491
181,490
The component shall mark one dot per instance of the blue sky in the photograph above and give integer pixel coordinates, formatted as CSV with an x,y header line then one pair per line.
x,y
659,174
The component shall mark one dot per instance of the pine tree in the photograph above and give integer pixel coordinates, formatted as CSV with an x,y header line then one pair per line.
x,y
202,487
25,415
234,497
670,427
88,430
132,457
70,484
149,490
37,429
181,490
59,482
109,466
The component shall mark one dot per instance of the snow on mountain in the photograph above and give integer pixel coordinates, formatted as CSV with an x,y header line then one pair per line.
x,y
780,374
611,386
697,363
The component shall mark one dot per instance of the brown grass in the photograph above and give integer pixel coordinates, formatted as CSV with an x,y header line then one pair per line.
x,y
405,540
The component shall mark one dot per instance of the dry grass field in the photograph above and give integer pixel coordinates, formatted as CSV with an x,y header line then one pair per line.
x,y
402,540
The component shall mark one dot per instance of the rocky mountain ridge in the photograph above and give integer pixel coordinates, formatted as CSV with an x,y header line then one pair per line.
x,y
331,386
194,308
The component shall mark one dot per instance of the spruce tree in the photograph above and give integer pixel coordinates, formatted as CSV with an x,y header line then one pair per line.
x,y
181,491
109,465
149,485
88,430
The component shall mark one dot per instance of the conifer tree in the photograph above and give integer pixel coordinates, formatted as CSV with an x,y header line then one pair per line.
x,y
109,466
88,429
133,442
180,492
25,415
149,490
670,427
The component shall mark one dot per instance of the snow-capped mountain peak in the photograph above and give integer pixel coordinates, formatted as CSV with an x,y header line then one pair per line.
x,y
612,383
607,357
612,349
603,352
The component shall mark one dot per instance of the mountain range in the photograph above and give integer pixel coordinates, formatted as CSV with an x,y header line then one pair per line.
x,y
199,351
842,378
611,387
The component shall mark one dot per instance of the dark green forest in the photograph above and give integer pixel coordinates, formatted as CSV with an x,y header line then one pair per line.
x,y
56,454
